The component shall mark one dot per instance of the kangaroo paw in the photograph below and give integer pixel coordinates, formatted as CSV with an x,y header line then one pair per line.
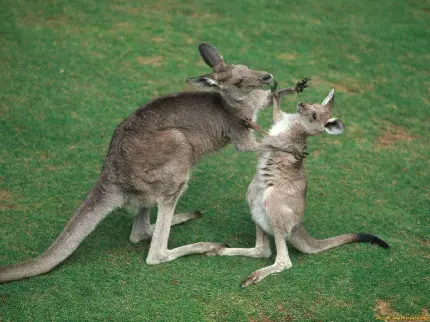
x,y
217,251
300,86
254,278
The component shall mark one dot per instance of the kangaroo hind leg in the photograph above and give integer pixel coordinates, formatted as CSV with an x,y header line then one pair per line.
x,y
282,261
158,251
261,249
142,228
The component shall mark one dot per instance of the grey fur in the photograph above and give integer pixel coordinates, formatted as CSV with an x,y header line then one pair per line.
x,y
277,194
210,55
150,158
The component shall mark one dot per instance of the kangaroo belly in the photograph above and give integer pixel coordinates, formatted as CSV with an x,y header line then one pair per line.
x,y
256,196
260,217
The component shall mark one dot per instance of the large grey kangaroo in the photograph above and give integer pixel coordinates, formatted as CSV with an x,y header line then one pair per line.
x,y
277,194
150,158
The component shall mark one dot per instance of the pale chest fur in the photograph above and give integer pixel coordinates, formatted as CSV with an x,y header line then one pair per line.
x,y
258,191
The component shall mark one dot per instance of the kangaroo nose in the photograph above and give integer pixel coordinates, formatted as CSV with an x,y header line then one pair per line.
x,y
267,78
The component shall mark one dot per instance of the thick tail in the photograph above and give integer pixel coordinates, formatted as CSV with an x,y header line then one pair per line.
x,y
99,203
301,240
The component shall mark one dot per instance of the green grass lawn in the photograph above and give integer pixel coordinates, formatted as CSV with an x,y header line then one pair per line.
x,y
70,71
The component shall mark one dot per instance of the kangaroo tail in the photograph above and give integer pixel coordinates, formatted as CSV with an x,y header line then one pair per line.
x,y
301,240
99,203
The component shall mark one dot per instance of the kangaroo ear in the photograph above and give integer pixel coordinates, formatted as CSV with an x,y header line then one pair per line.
x,y
334,126
203,82
329,100
210,55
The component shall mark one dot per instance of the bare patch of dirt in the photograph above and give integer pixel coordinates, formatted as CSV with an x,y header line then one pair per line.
x,y
384,311
192,11
409,68
380,202
126,9
331,141
4,195
126,26
287,56
426,242
154,61
365,38
315,153
353,58
37,18
55,21
349,86
6,201
206,16
134,11
355,130
287,316
393,134
264,318
157,39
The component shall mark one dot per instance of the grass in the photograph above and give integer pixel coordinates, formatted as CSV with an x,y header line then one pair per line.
x,y
72,70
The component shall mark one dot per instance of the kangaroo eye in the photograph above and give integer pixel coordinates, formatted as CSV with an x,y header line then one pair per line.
x,y
314,116
239,83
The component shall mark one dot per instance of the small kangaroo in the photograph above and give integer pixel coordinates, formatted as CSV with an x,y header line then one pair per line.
x,y
277,194
150,158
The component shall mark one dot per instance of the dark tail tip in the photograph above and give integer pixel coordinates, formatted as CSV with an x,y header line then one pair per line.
x,y
367,238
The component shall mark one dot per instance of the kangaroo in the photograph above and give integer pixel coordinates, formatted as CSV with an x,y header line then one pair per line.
x,y
277,193
150,157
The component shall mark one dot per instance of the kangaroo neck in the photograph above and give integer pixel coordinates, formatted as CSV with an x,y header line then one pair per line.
x,y
239,105
288,136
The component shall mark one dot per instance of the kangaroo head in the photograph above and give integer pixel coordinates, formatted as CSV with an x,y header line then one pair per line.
x,y
236,80
317,117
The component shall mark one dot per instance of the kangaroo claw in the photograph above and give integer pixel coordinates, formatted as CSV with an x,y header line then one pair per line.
x,y
300,86
274,86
